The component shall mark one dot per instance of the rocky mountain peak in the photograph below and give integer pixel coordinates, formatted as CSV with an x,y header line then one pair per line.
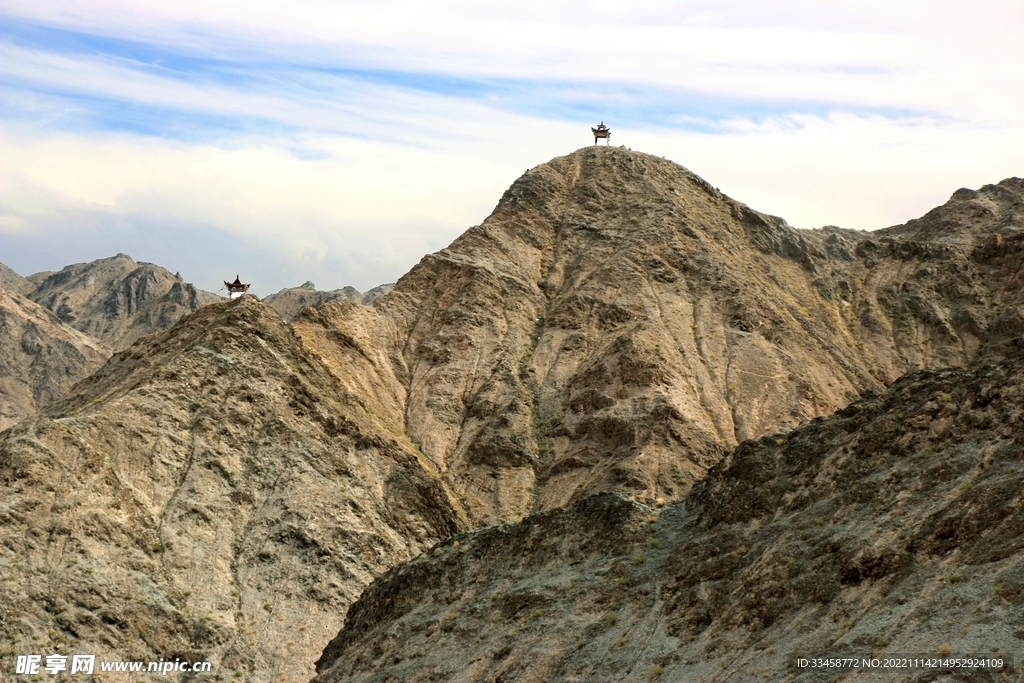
x,y
117,300
12,282
617,323
61,326
40,357
291,301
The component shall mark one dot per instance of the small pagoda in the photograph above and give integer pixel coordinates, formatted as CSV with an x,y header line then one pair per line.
x,y
236,288
602,131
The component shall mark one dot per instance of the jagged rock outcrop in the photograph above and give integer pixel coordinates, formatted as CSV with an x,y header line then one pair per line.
x,y
894,526
212,493
40,357
117,300
290,302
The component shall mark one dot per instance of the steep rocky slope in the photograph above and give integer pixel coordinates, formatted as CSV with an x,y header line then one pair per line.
x,y
213,492
894,526
619,324
117,300
40,357
290,301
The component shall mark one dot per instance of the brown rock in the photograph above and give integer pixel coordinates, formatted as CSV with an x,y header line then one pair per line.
x,y
12,282
618,324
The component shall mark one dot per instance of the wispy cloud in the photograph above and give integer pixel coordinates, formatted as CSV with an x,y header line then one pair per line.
x,y
343,140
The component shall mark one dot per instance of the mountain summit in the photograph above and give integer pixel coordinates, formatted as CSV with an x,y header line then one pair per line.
x,y
117,300
59,327
618,324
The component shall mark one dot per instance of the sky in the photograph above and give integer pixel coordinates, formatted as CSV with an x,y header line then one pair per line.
x,y
339,142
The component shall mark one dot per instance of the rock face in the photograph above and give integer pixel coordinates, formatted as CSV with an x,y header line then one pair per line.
x,y
618,324
212,493
943,270
894,526
40,357
117,300
291,301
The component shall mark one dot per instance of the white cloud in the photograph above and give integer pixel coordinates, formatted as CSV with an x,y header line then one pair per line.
x,y
862,173
351,180
370,210
933,56
361,215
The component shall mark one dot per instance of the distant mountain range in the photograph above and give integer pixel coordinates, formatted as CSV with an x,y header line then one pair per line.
x,y
686,416
290,302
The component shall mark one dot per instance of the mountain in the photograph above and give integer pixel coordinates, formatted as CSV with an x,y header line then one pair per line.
x,y
226,488
618,324
894,526
40,357
290,301
117,300
564,331
211,493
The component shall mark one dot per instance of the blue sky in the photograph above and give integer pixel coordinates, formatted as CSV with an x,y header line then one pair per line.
x,y
340,142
